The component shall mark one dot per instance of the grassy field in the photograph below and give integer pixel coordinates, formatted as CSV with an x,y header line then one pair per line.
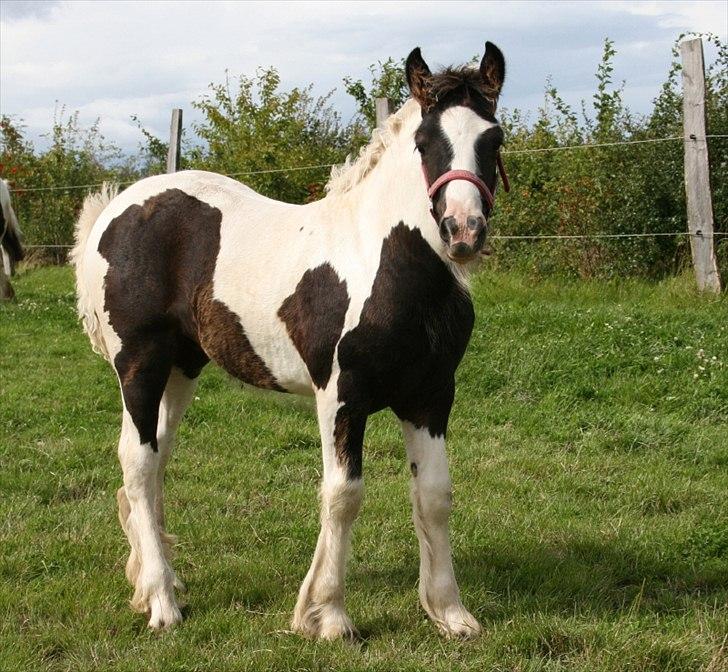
x,y
589,453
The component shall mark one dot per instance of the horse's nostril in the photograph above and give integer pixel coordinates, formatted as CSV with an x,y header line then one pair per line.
x,y
448,228
475,223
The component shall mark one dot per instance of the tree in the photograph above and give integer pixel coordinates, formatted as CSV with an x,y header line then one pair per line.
x,y
251,126
76,156
388,81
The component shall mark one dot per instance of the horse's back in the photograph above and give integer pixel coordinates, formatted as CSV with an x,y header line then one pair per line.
x,y
212,188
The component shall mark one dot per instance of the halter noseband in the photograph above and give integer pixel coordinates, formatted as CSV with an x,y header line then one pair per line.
x,y
467,176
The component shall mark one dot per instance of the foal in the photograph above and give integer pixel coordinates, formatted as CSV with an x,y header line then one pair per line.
x,y
358,299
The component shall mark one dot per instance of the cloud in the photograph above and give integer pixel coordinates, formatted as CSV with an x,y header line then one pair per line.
x,y
14,10
115,59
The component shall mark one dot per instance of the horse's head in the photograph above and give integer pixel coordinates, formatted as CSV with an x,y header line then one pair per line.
x,y
459,140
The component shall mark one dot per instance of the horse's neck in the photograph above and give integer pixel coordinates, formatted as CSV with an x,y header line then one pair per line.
x,y
395,191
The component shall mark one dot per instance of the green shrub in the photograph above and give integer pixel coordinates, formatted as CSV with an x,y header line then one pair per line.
x,y
255,127
614,189
76,156
250,125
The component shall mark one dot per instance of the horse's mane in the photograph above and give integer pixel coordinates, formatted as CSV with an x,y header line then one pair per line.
x,y
350,173
464,80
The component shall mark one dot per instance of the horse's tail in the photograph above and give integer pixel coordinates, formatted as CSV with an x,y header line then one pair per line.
x,y
10,233
93,205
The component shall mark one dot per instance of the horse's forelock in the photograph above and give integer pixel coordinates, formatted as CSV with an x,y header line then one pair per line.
x,y
458,83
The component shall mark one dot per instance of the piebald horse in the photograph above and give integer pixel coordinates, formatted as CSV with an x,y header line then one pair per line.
x,y
11,248
359,299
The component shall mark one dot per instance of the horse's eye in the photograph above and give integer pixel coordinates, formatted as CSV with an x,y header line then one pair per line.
x,y
420,147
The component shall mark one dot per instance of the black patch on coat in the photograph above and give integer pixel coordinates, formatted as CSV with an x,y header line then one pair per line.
x,y
349,427
314,317
487,147
411,336
158,293
436,154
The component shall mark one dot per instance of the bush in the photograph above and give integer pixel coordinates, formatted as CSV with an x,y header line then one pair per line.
x,y
76,156
612,189
257,128
250,125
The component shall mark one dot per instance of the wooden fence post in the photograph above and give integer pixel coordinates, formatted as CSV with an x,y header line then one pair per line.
x,y
383,108
697,169
175,138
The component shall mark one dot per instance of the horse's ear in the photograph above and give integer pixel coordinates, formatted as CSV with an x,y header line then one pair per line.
x,y
418,79
493,67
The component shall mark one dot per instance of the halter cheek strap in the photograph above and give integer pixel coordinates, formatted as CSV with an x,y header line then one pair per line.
x,y
467,176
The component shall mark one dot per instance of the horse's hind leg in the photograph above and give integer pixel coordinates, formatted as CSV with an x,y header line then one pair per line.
x,y
177,396
143,376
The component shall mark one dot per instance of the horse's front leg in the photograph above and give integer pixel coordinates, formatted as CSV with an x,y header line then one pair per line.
x,y
320,607
431,496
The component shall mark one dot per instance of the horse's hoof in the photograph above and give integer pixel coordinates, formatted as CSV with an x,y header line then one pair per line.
x,y
325,622
164,617
457,622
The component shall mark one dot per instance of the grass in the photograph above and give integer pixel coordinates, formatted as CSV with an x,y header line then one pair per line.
x,y
589,455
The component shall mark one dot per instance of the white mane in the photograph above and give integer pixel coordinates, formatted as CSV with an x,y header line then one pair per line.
x,y
347,175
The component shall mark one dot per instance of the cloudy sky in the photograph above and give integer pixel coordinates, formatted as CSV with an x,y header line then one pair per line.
x,y
112,59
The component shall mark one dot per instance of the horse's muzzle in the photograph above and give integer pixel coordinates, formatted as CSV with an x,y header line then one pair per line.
x,y
464,239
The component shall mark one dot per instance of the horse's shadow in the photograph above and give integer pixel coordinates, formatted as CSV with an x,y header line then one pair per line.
x,y
500,582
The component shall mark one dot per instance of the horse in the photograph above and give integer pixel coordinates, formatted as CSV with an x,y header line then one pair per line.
x,y
11,247
359,299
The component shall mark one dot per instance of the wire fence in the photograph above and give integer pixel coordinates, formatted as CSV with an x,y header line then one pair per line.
x,y
535,236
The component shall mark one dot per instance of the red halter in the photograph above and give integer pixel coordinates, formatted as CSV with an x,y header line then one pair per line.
x,y
467,176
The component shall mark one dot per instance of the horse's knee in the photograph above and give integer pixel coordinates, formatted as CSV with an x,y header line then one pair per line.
x,y
433,500
340,502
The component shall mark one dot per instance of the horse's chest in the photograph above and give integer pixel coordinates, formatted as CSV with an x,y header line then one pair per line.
x,y
415,325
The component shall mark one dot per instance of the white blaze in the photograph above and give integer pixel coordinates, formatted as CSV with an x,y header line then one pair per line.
x,y
462,127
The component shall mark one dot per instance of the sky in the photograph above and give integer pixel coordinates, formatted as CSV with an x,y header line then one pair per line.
x,y
113,59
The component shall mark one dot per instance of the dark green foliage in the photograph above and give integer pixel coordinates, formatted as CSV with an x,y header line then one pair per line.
x,y
76,156
153,151
387,81
614,189
250,125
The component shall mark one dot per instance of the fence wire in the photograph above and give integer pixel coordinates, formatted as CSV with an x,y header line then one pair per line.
x,y
535,236
516,152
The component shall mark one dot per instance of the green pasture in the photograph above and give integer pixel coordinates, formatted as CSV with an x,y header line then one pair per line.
x,y
589,456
